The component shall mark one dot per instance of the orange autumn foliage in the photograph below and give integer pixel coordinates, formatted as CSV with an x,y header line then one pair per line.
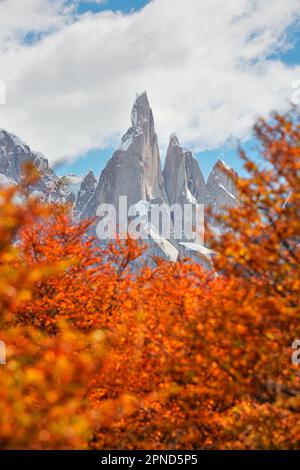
x,y
85,291
42,401
43,404
186,359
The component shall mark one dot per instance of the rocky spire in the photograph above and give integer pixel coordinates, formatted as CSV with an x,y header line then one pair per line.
x,y
134,169
182,175
85,193
221,186
195,178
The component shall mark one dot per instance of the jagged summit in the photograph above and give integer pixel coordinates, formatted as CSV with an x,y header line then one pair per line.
x,y
221,186
16,140
134,169
142,122
174,139
221,162
141,112
14,153
90,174
222,165
138,95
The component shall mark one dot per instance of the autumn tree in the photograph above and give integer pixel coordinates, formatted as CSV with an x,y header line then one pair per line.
x,y
43,401
87,290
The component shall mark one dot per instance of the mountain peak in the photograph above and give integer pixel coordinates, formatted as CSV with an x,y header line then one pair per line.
x,y
141,113
174,139
141,96
220,163
14,153
90,174
134,170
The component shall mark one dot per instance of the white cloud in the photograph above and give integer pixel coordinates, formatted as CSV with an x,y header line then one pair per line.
x,y
18,17
203,63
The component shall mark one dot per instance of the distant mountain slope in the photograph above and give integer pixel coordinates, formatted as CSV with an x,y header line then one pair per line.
x,y
14,153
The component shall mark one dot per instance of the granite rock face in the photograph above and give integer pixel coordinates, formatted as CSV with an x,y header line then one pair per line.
x,y
134,169
85,194
182,175
221,186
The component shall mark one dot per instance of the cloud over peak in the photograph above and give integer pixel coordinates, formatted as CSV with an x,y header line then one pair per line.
x,y
206,66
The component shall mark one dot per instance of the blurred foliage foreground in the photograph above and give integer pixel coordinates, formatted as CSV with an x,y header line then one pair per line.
x,y
101,356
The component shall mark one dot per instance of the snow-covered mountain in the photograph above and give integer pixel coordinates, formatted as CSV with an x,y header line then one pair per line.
x,y
133,171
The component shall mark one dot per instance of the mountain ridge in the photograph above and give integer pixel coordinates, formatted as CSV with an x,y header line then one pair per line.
x,y
134,171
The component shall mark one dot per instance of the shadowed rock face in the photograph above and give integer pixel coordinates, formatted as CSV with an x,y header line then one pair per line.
x,y
85,193
195,178
134,169
221,186
175,173
182,175
14,153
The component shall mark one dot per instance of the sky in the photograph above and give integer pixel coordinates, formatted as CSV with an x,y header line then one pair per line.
x,y
210,68
125,6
